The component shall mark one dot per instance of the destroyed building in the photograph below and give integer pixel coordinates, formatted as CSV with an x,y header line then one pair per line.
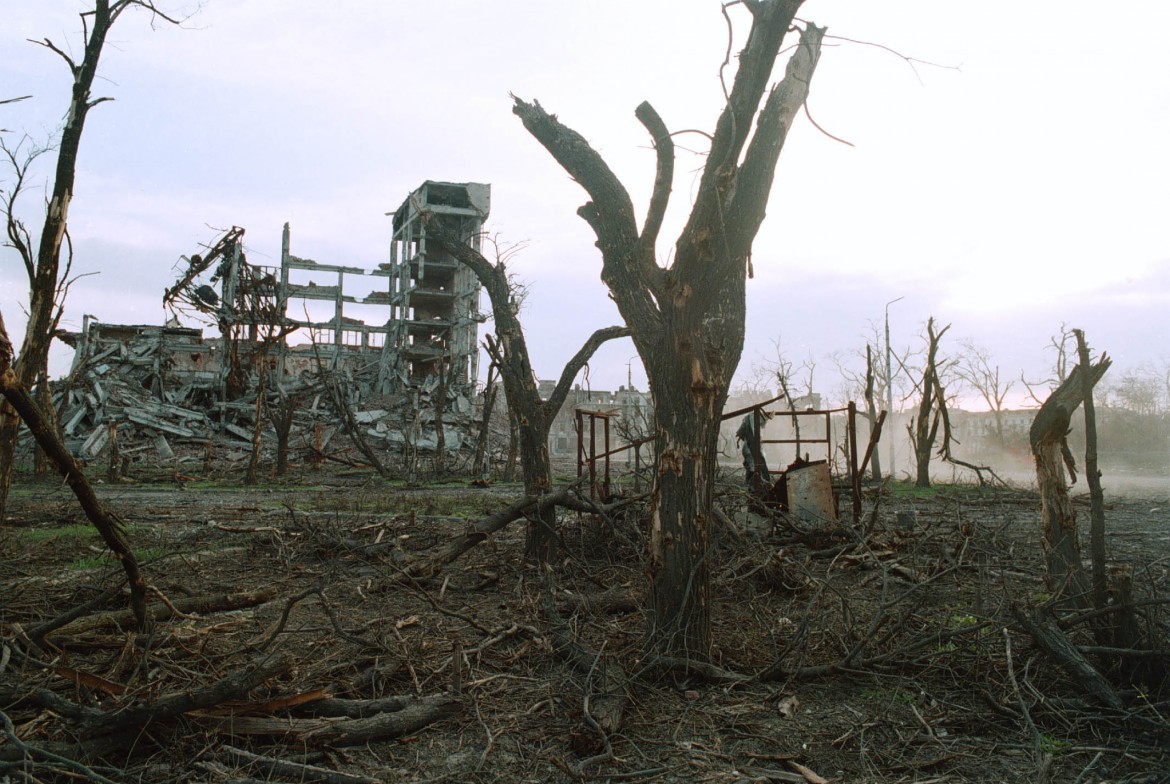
x,y
395,345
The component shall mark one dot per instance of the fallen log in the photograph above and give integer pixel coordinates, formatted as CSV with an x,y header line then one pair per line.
x,y
1052,641
234,685
207,603
429,565
295,770
397,717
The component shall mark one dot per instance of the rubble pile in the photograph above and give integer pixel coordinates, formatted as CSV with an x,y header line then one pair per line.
x,y
163,388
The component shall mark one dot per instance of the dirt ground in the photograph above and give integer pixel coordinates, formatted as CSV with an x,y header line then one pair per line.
x,y
882,652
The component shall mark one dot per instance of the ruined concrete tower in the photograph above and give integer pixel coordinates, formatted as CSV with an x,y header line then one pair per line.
x,y
434,300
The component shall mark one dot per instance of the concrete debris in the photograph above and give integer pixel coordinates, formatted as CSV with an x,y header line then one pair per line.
x,y
164,389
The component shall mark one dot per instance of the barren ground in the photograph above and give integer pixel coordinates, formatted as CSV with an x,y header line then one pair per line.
x,y
945,688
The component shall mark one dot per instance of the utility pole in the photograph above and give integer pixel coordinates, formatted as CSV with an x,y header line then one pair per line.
x,y
890,387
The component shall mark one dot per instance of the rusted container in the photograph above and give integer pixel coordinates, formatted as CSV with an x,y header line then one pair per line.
x,y
810,492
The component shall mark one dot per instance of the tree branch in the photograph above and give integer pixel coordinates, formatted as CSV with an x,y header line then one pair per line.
x,y
663,178
53,48
610,213
574,365
613,209
750,195
770,23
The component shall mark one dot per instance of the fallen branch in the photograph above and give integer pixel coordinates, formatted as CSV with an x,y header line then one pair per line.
x,y
208,603
234,685
412,718
676,666
296,770
604,699
429,565
29,753
108,524
1052,641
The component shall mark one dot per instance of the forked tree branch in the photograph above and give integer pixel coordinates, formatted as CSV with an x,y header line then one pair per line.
x,y
610,213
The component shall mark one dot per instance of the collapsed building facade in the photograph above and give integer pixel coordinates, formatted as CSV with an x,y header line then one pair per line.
x,y
395,346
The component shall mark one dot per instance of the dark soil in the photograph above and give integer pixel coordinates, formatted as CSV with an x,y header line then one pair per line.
x,y
888,657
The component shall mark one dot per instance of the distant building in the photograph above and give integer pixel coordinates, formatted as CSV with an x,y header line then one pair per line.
x,y
634,412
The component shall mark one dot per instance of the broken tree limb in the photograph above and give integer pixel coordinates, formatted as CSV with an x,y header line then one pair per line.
x,y
234,685
1052,641
295,770
430,565
337,707
97,724
106,522
416,715
208,603
38,632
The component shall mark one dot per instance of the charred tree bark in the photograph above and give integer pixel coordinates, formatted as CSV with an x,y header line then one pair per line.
x,y
687,320
108,525
533,416
1051,455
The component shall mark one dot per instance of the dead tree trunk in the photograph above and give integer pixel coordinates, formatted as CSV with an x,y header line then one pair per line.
x,y
440,410
532,415
871,411
480,466
281,416
252,475
687,320
1051,455
513,448
1093,478
44,398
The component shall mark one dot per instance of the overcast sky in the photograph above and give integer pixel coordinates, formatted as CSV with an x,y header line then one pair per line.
x,y
1022,184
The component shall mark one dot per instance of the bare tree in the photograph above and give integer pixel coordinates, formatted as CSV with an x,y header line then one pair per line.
x,y
42,256
490,390
976,370
509,351
931,406
1093,477
1062,345
870,387
1142,390
687,319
